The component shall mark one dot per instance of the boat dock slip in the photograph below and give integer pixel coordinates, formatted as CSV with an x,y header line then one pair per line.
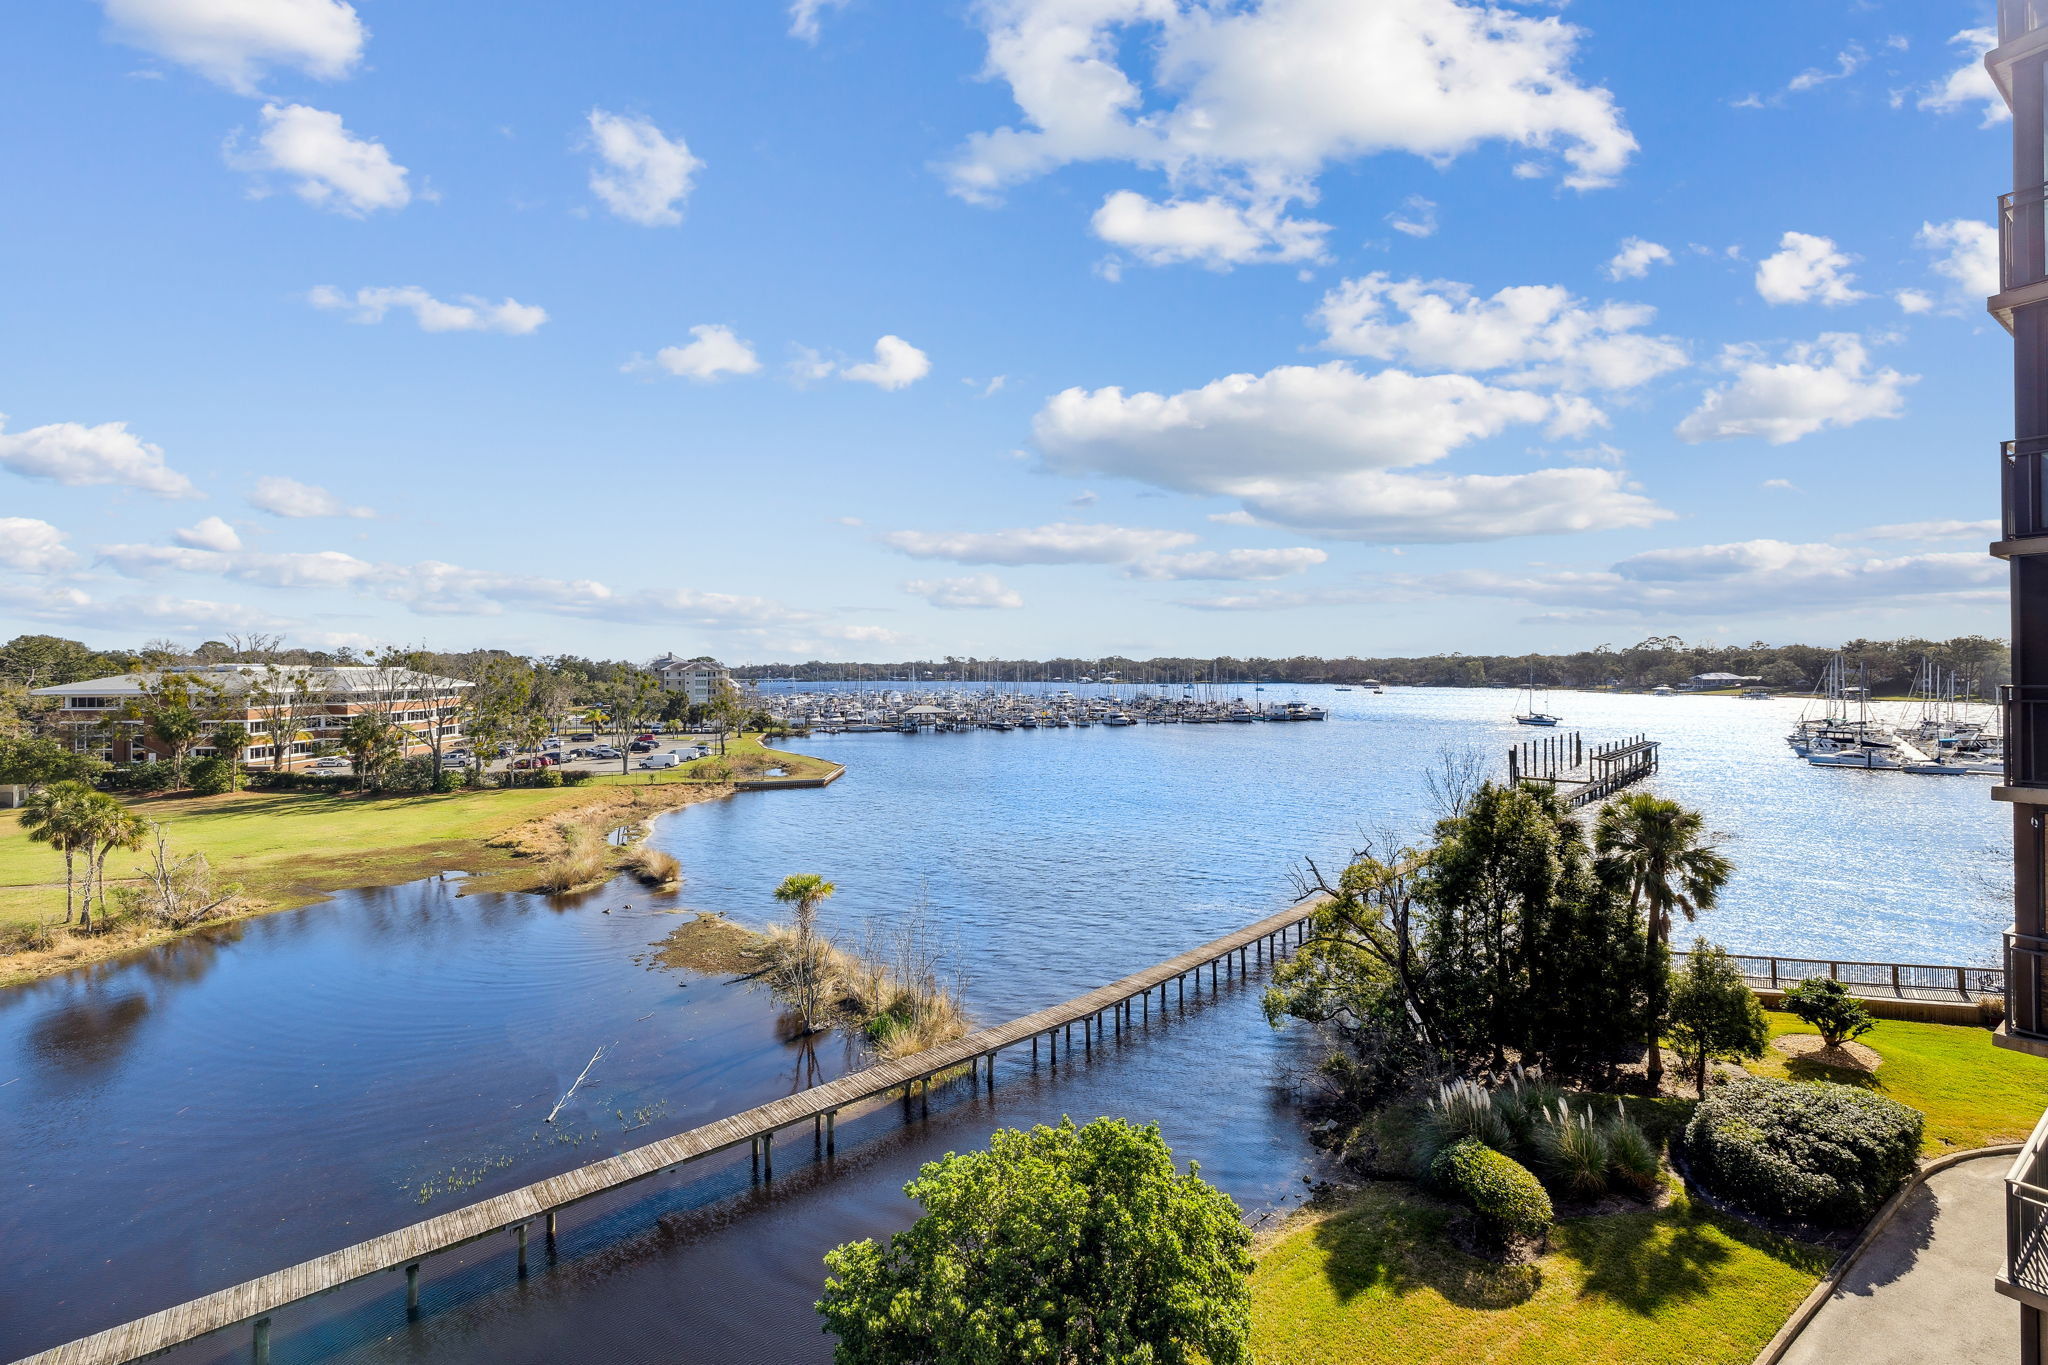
x,y
251,1303
1582,773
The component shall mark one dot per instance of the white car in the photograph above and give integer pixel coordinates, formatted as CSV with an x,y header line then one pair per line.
x,y
669,760
330,762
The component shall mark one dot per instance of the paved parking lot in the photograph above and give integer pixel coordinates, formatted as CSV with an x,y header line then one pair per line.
x,y
663,744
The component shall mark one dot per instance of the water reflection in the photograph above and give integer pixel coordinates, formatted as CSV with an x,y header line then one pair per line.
x,y
86,1035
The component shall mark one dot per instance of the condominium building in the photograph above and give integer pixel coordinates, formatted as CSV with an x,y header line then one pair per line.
x,y
301,707
699,680
2019,67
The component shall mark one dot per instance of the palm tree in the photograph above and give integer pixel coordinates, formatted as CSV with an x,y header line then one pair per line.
x,y
109,825
230,742
59,815
1655,849
369,742
806,891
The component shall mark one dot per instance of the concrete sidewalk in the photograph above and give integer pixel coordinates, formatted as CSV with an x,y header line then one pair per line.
x,y
1922,1291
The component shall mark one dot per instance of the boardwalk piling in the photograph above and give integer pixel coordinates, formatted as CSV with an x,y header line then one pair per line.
x,y
412,1290
261,1346
522,1250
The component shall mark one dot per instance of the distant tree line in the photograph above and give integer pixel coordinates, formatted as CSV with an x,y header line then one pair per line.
x,y
1890,666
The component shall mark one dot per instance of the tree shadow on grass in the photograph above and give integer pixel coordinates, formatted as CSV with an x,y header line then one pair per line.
x,y
1397,1243
1806,1069
1645,1262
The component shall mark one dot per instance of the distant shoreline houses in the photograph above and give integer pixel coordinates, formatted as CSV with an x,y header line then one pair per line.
x,y
302,706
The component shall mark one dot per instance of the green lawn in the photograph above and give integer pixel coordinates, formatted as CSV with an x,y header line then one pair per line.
x,y
1973,1093
1377,1281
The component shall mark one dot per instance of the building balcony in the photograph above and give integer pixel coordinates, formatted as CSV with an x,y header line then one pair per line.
x,y
2025,1276
2025,1028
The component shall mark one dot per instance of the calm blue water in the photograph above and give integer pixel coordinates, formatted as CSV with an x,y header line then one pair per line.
x,y
228,1105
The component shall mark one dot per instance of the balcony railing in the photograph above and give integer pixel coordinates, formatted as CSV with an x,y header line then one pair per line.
x,y
2022,250
2026,973
2026,1214
2018,18
2023,470
2026,734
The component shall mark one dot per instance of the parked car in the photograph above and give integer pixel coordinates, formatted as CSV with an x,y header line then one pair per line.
x,y
330,762
662,761
551,744
641,746
535,761
604,751
583,737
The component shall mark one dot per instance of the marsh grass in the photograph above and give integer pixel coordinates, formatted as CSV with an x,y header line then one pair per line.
x,y
651,867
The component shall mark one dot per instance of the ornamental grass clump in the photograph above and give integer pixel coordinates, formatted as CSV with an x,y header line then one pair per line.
x,y
1573,1150
1509,1200
1632,1158
1810,1151
1463,1109
1523,1102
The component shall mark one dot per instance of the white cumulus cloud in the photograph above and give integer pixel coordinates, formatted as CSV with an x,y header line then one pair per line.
x,y
1828,382
81,456
972,593
897,365
234,42
470,314
209,533
1251,101
1066,542
1540,333
1243,566
1214,230
1969,83
284,497
1965,253
804,16
643,175
715,351
1806,269
329,167
1634,259
33,546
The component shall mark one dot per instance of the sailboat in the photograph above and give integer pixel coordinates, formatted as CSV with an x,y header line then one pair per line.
x,y
1533,715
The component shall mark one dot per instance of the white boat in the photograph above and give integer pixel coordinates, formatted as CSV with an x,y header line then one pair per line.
x,y
1534,714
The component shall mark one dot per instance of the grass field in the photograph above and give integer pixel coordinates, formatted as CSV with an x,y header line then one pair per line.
x,y
1377,1281
1973,1093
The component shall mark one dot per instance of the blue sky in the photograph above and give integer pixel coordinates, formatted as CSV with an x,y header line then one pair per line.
x,y
874,330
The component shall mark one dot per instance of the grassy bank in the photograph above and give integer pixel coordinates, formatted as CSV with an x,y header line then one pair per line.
x,y
290,849
1377,1280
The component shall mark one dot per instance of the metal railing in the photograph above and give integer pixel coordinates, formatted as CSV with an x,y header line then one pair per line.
x,y
2026,1214
2025,708
2024,483
2018,18
2022,248
1905,980
2026,972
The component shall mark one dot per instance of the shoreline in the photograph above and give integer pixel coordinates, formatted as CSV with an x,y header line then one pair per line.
x,y
506,854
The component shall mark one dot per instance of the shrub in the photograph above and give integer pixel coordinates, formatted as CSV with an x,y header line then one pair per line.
x,y
1459,1110
575,777
1828,1008
549,777
211,777
1573,1150
1499,1188
1805,1150
1523,1101
1631,1157
136,777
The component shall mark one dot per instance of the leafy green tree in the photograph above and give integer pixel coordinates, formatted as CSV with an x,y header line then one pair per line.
x,y
371,743
51,661
60,815
1713,1012
1657,851
1826,1005
175,709
804,892
1058,1246
38,760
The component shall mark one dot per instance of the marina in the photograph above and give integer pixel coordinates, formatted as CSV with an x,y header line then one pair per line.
x,y
959,710
1050,862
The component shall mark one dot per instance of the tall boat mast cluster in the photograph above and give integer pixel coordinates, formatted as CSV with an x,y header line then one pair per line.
x,y
954,711
1940,733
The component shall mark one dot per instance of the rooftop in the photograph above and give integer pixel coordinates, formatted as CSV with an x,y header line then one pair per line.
x,y
322,679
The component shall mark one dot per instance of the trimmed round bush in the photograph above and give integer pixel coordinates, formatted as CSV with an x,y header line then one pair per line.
x,y
1499,1188
1813,1151
210,776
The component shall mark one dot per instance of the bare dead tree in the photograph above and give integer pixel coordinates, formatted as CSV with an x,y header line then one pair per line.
x,y
1457,773
1369,910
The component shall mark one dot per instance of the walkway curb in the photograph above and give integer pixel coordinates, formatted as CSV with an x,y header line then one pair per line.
x,y
1774,1350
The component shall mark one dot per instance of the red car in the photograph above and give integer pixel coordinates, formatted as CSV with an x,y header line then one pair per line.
x,y
537,761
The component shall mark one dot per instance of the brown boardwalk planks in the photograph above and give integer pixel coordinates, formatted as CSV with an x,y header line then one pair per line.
x,y
264,1295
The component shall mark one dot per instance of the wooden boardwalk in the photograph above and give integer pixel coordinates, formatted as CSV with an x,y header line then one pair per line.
x,y
254,1301
1581,773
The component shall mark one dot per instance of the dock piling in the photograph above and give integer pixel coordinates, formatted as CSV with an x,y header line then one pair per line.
x,y
260,1347
412,1290
521,1230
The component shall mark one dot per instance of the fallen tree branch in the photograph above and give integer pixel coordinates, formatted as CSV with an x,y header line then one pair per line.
x,y
571,1091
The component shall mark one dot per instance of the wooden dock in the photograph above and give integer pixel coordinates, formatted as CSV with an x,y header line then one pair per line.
x,y
251,1303
1579,772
